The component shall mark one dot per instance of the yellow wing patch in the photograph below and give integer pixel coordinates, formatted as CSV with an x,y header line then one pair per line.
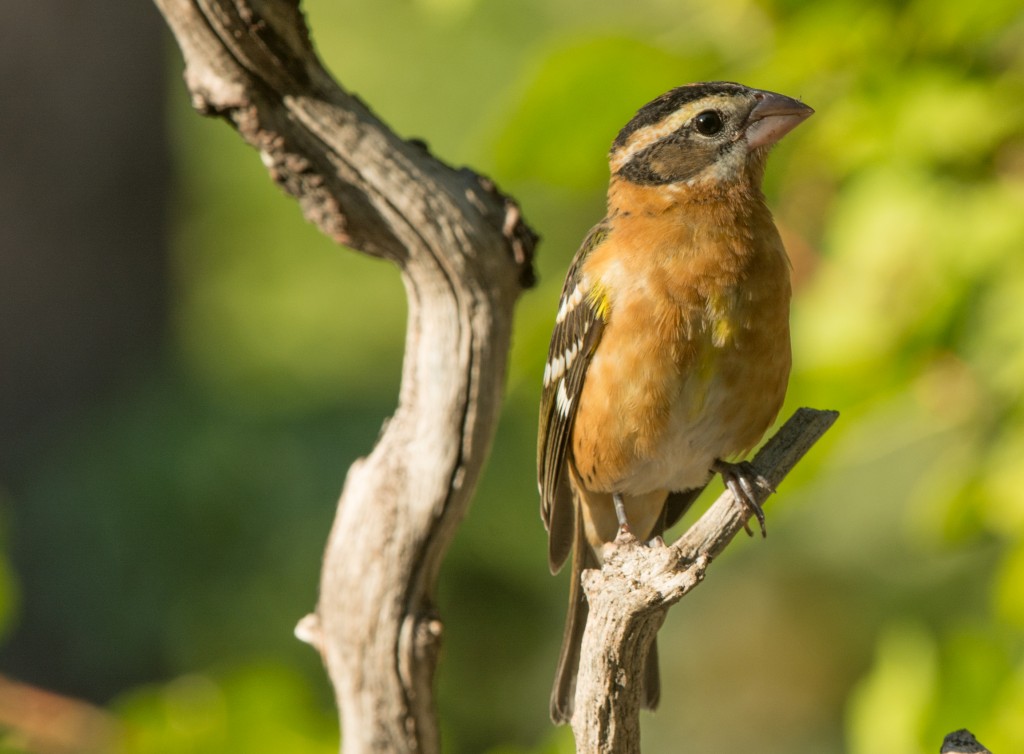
x,y
599,301
721,314
721,332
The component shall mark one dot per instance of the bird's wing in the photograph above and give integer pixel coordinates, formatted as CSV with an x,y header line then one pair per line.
x,y
578,327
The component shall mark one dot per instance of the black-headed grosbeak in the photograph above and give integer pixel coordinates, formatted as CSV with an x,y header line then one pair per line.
x,y
670,352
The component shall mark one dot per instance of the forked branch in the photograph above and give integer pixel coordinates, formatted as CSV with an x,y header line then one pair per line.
x,y
631,594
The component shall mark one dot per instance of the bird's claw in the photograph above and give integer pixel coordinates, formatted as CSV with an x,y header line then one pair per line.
x,y
741,479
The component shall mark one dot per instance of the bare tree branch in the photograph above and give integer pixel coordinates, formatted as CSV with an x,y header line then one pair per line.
x,y
631,594
35,720
465,256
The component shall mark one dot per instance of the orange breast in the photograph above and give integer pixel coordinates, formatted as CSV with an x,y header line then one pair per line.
x,y
694,359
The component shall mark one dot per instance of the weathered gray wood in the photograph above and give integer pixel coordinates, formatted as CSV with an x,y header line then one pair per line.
x,y
465,255
631,594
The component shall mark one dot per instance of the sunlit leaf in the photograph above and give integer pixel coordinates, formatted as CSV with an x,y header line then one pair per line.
x,y
892,703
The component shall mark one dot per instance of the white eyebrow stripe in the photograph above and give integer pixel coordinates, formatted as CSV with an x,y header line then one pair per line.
x,y
644,137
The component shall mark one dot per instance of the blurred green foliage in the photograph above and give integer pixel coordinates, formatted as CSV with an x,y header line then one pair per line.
x,y
256,709
888,603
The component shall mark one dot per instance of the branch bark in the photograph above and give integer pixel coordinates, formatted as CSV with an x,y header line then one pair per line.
x,y
465,255
631,594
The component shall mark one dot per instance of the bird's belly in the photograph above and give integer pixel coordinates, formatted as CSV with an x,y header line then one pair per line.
x,y
657,417
721,419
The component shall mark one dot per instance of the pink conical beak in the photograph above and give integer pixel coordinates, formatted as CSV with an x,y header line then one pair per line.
x,y
774,116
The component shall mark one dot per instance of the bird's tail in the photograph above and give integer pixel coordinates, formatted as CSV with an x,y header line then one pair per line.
x,y
563,693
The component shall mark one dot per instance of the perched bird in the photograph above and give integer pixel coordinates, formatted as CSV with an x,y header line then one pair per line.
x,y
670,353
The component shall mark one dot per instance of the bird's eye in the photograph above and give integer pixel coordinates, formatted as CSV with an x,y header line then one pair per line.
x,y
708,123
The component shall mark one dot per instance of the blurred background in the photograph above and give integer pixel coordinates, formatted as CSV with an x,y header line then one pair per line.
x,y
187,369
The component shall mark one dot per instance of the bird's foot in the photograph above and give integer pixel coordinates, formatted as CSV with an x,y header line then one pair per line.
x,y
620,513
741,479
625,532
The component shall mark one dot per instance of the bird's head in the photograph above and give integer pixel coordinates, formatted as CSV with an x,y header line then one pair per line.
x,y
705,136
